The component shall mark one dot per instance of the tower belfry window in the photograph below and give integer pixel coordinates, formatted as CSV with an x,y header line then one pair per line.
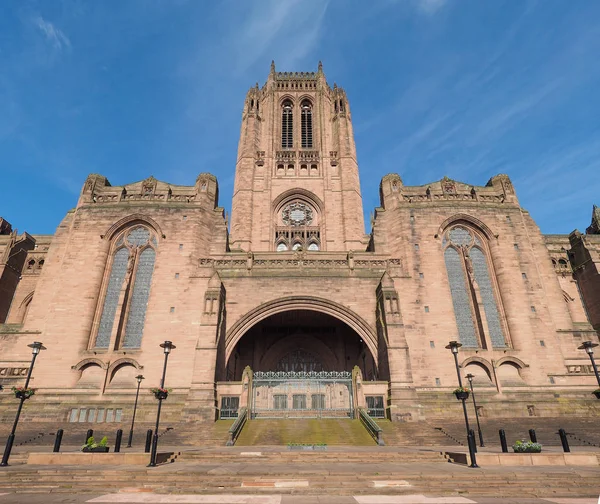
x,y
306,122
287,125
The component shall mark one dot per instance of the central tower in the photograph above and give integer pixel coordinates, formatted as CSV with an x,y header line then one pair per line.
x,y
296,179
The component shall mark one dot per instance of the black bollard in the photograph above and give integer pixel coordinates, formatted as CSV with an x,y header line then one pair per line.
x,y
90,433
58,440
148,441
472,435
503,441
564,440
118,440
532,436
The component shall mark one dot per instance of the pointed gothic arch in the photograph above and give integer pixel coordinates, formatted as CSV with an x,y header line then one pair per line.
x,y
287,124
310,303
476,299
128,221
306,123
122,307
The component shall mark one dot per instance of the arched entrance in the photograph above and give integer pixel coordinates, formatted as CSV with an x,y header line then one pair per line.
x,y
302,354
300,340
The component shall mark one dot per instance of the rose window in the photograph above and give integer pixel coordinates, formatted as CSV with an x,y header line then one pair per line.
x,y
297,214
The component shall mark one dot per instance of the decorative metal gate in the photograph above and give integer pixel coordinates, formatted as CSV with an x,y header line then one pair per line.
x,y
312,394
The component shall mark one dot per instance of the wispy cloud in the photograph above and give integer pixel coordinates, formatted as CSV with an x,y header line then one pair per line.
x,y
430,7
270,22
53,35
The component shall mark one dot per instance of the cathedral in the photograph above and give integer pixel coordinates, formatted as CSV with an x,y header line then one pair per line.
x,y
289,308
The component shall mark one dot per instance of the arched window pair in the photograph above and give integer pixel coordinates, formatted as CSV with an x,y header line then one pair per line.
x,y
476,302
282,246
127,290
287,124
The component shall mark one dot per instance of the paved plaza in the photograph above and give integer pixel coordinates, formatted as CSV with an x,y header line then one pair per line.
x,y
132,498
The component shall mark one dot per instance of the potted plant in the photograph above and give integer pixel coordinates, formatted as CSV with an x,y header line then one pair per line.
x,y
597,393
461,393
92,447
22,392
527,447
160,393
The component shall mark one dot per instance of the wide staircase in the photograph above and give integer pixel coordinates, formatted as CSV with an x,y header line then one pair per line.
x,y
33,436
329,431
580,431
335,473
416,434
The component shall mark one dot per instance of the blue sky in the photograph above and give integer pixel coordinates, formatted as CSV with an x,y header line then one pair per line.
x,y
467,88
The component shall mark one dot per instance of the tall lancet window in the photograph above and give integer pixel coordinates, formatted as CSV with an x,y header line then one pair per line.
x,y
123,313
306,121
287,125
472,286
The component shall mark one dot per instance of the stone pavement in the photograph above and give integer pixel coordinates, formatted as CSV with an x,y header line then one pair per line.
x,y
146,498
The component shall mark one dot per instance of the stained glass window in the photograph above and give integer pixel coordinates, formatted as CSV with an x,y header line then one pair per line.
x,y
138,236
482,277
111,299
127,259
460,298
139,299
463,249
460,236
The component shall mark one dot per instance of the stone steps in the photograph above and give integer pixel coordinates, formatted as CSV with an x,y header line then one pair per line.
x,y
469,482
316,457
331,431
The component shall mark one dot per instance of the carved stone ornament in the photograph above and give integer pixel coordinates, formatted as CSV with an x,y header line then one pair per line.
x,y
448,186
297,214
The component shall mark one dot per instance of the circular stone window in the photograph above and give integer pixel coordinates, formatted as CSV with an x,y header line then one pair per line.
x,y
297,214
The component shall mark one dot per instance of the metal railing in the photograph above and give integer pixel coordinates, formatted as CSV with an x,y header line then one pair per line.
x,y
371,426
376,412
238,425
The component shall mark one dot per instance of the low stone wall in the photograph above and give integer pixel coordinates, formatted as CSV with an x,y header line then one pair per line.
x,y
86,459
523,459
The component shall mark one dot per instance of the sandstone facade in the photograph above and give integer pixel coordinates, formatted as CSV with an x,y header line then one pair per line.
x,y
297,284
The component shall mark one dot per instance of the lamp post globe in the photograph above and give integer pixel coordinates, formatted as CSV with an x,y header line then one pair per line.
x,y
589,346
167,347
470,378
453,346
139,379
36,348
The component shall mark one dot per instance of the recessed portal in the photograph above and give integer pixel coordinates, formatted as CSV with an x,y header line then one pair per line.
x,y
300,341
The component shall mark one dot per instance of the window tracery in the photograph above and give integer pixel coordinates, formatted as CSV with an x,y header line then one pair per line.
x,y
297,214
472,288
287,125
306,124
128,289
299,360
297,228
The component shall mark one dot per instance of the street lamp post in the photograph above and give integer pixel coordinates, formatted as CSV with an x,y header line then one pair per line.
x,y
139,379
470,378
167,346
36,347
588,346
453,346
